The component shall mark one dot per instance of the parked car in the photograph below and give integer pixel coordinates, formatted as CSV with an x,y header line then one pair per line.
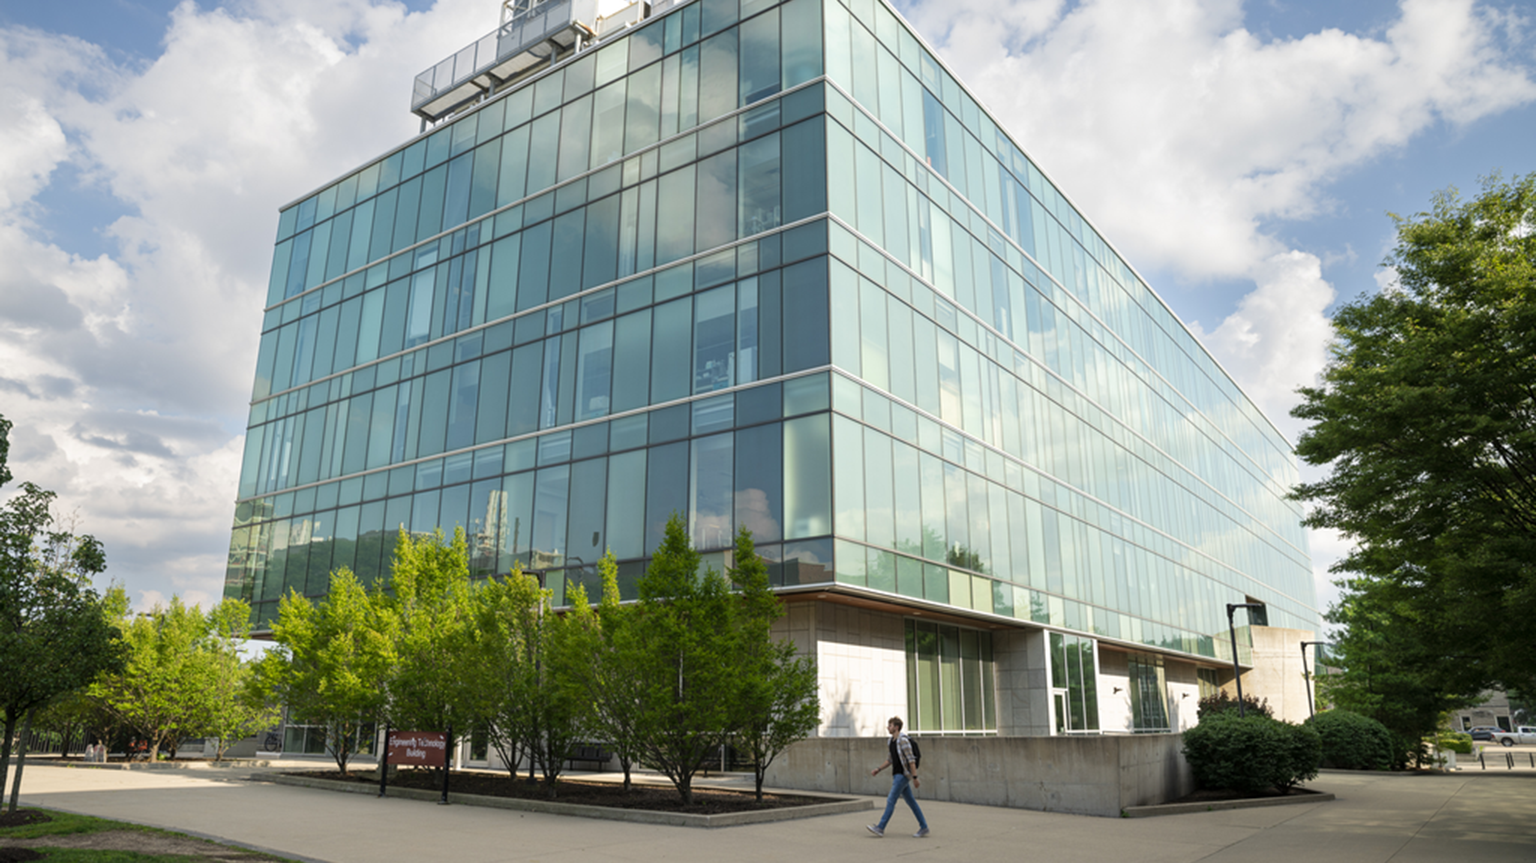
x,y
1483,732
1523,734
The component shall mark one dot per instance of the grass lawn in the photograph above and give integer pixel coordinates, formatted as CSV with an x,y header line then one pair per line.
x,y
62,837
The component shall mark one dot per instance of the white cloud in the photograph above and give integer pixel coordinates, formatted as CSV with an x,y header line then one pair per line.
x,y
1276,340
127,374
1327,546
1181,133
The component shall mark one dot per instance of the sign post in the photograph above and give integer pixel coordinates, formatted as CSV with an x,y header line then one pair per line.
x,y
447,756
384,761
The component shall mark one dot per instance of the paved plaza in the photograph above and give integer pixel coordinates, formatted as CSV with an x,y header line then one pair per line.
x,y
1489,817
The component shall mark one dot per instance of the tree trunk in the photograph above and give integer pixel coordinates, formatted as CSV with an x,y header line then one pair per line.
x,y
5,754
625,763
21,759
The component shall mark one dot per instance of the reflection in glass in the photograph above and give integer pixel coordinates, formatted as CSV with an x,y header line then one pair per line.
x,y
549,519
714,339
710,492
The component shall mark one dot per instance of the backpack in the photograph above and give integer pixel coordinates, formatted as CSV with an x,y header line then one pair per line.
x,y
917,752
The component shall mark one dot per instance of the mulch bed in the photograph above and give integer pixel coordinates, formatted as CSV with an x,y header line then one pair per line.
x,y
16,854
23,816
1217,795
662,798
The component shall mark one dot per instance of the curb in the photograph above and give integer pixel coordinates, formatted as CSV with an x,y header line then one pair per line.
x,y
1214,805
162,765
833,806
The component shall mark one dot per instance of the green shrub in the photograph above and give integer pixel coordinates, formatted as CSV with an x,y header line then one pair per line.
x,y
1252,753
1354,742
1222,702
1455,741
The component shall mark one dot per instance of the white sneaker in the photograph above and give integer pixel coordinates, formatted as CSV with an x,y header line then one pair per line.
x,y
879,834
921,834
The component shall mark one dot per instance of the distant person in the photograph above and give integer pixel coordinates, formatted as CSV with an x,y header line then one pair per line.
x,y
903,764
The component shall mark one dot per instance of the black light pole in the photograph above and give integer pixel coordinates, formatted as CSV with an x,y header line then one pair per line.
x,y
1237,674
1306,674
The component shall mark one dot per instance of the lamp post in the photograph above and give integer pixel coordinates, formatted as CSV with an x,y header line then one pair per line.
x,y
1237,674
1306,675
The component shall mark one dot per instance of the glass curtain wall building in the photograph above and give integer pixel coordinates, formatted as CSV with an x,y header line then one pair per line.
x,y
768,263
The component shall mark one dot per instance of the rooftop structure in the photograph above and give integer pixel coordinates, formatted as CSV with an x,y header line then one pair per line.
x,y
532,33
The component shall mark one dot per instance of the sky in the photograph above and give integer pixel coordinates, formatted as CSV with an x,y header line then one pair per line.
x,y
1242,156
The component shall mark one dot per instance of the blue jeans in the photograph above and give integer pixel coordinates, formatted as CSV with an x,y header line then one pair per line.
x,y
901,787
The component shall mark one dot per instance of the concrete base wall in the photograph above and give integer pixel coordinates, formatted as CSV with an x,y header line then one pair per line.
x,y
1277,672
1023,693
1099,775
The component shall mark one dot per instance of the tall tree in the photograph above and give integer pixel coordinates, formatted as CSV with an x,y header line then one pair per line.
x,y
777,698
1426,419
1378,661
54,631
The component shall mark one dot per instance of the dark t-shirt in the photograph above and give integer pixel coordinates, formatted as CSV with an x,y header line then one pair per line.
x,y
896,765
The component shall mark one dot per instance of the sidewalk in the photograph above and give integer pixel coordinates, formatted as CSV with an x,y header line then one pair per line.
x,y
1488,817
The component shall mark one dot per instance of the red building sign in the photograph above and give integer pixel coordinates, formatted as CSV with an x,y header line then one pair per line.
x,y
418,749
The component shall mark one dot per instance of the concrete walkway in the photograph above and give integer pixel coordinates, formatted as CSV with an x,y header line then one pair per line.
x,y
1488,817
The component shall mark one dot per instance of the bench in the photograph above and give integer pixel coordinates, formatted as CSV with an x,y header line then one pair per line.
x,y
588,752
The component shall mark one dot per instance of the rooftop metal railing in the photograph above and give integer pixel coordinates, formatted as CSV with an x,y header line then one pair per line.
x,y
535,33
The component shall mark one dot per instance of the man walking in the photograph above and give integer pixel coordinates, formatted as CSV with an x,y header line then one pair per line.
x,y
903,766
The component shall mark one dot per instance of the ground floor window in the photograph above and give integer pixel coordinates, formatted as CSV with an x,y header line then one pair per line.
x,y
950,685
1149,693
1210,682
1074,683
304,739
311,739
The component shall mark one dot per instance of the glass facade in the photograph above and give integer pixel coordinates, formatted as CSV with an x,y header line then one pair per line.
x,y
761,263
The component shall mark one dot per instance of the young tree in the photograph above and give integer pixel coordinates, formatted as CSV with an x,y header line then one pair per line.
x,y
683,640
1426,419
430,613
164,690
236,706
563,713
777,698
603,646
502,664
332,661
